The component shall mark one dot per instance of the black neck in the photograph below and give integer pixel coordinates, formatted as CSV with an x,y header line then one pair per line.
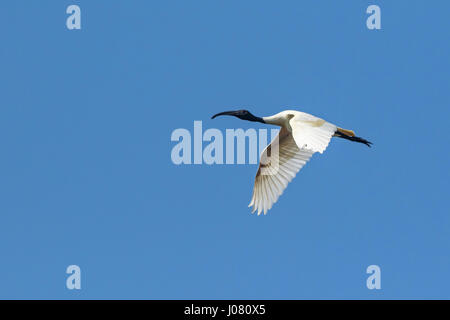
x,y
258,119
250,117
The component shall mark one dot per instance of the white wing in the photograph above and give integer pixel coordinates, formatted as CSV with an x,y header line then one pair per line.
x,y
279,163
286,155
310,132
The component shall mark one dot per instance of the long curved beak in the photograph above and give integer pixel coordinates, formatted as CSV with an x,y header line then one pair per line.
x,y
225,113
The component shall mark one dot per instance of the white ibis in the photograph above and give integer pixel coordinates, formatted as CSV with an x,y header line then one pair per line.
x,y
300,136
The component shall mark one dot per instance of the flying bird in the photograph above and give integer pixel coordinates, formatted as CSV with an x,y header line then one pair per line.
x,y
301,135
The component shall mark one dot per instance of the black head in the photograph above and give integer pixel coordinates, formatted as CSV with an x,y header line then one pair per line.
x,y
241,114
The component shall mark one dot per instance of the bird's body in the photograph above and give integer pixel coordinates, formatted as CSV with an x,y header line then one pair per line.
x,y
301,135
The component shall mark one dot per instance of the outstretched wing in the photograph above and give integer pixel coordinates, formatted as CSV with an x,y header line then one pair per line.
x,y
311,133
286,155
279,163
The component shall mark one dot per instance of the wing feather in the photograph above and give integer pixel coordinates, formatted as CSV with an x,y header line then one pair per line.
x,y
286,155
310,132
281,167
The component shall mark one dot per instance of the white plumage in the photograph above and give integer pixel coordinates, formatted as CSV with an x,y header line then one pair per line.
x,y
301,135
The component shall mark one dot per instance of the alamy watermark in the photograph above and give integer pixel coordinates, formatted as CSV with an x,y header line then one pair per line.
x,y
373,22
74,20
213,147
74,280
374,280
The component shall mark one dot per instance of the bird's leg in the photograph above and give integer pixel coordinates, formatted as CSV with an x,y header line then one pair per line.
x,y
342,135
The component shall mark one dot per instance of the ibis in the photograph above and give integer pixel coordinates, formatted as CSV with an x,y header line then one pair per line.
x,y
301,135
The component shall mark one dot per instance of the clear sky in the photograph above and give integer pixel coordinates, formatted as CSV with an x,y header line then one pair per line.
x,y
86,176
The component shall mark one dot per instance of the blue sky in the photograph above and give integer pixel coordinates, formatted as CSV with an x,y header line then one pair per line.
x,y
86,175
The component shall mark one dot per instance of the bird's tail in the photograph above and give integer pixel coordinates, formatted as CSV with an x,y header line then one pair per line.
x,y
350,135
